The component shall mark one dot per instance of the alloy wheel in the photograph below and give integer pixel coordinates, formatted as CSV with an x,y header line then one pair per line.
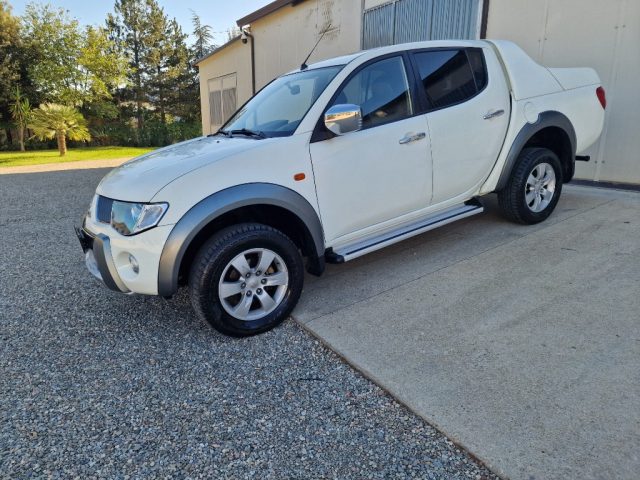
x,y
253,284
540,187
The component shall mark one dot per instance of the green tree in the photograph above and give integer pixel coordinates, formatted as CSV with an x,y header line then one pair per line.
x,y
51,121
203,37
20,110
134,26
161,74
9,42
202,45
69,65
10,49
169,73
102,66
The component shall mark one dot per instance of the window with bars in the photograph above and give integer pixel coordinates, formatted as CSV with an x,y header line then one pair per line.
x,y
222,100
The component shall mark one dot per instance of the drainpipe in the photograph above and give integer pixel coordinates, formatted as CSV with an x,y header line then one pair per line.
x,y
247,35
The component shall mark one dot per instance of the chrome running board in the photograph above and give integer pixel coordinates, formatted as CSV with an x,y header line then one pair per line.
x,y
362,247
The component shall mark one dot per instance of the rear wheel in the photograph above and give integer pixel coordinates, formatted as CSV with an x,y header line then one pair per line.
x,y
246,279
534,188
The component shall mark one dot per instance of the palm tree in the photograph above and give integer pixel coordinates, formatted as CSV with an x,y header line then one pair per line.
x,y
20,110
61,122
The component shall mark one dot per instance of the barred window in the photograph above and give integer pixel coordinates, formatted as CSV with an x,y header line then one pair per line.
x,y
222,99
215,107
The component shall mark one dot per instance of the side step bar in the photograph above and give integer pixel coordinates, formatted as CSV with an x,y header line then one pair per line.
x,y
355,250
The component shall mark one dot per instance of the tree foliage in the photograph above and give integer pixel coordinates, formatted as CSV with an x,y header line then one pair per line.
x,y
135,71
20,112
203,43
71,66
161,73
51,121
10,43
132,28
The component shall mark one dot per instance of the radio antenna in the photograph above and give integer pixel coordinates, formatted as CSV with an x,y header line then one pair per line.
x,y
304,65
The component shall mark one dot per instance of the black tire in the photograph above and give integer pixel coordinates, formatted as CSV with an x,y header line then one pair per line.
x,y
215,255
512,199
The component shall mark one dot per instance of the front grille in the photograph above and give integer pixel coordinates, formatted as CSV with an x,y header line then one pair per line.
x,y
103,209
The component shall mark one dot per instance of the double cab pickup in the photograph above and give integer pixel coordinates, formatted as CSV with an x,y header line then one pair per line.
x,y
333,161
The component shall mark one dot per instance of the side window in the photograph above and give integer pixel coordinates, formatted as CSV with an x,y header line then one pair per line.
x,y
448,76
476,59
381,90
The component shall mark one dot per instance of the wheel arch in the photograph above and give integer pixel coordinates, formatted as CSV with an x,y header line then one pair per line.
x,y
271,204
554,131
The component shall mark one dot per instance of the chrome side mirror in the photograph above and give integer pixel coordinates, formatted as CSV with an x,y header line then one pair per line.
x,y
345,118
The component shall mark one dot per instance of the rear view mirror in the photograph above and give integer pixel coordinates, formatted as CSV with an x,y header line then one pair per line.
x,y
294,89
345,118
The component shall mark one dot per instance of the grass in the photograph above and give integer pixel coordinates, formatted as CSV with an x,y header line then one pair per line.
x,y
37,157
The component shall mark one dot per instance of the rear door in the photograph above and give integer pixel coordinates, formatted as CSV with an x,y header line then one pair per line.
x,y
468,107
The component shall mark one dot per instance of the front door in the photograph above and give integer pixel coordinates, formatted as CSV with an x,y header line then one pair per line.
x,y
367,179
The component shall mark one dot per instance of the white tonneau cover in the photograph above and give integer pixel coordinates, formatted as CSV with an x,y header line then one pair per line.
x,y
527,79
575,77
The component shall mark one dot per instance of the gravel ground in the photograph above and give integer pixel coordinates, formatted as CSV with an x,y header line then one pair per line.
x,y
98,384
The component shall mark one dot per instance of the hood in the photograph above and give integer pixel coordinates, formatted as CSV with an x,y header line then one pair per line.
x,y
141,178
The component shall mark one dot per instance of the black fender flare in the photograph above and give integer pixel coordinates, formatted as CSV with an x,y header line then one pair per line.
x,y
212,207
545,119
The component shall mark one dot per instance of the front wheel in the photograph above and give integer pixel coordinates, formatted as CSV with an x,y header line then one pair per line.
x,y
534,188
246,279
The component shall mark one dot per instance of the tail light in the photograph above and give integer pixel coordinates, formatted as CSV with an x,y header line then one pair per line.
x,y
602,97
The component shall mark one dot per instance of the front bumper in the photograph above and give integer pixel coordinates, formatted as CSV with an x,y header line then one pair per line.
x,y
99,259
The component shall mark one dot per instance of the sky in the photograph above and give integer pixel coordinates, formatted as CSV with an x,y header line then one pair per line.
x,y
219,14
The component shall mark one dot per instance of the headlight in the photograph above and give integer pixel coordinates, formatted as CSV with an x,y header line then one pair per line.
x,y
131,218
91,205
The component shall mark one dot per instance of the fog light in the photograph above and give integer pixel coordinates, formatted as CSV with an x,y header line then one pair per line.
x,y
134,264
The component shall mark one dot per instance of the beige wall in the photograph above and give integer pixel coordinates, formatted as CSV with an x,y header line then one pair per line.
x,y
284,38
235,58
601,34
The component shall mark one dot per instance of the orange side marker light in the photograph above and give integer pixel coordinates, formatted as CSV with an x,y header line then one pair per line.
x,y
299,176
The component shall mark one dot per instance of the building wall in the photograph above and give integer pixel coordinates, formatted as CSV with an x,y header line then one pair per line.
x,y
593,33
556,33
284,38
234,58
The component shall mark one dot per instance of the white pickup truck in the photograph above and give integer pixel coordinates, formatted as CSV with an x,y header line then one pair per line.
x,y
336,160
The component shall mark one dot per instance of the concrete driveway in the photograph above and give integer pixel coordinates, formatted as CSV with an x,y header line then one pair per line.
x,y
520,343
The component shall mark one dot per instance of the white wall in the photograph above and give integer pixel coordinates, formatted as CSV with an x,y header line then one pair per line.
x,y
601,34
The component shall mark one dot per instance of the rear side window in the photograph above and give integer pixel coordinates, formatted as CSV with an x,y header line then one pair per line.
x,y
450,77
476,59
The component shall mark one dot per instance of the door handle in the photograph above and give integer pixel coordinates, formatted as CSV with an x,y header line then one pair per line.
x,y
496,113
412,138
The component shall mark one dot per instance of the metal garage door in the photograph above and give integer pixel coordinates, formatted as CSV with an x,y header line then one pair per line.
x,y
403,21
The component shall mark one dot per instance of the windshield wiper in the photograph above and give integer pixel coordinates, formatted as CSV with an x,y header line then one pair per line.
x,y
240,131
220,132
247,132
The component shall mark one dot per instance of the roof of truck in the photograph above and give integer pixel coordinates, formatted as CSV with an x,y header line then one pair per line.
x,y
379,51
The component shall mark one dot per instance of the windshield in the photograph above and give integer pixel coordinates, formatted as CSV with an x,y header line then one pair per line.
x,y
278,109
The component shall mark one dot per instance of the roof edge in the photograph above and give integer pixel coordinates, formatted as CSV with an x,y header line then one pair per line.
x,y
266,10
216,50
